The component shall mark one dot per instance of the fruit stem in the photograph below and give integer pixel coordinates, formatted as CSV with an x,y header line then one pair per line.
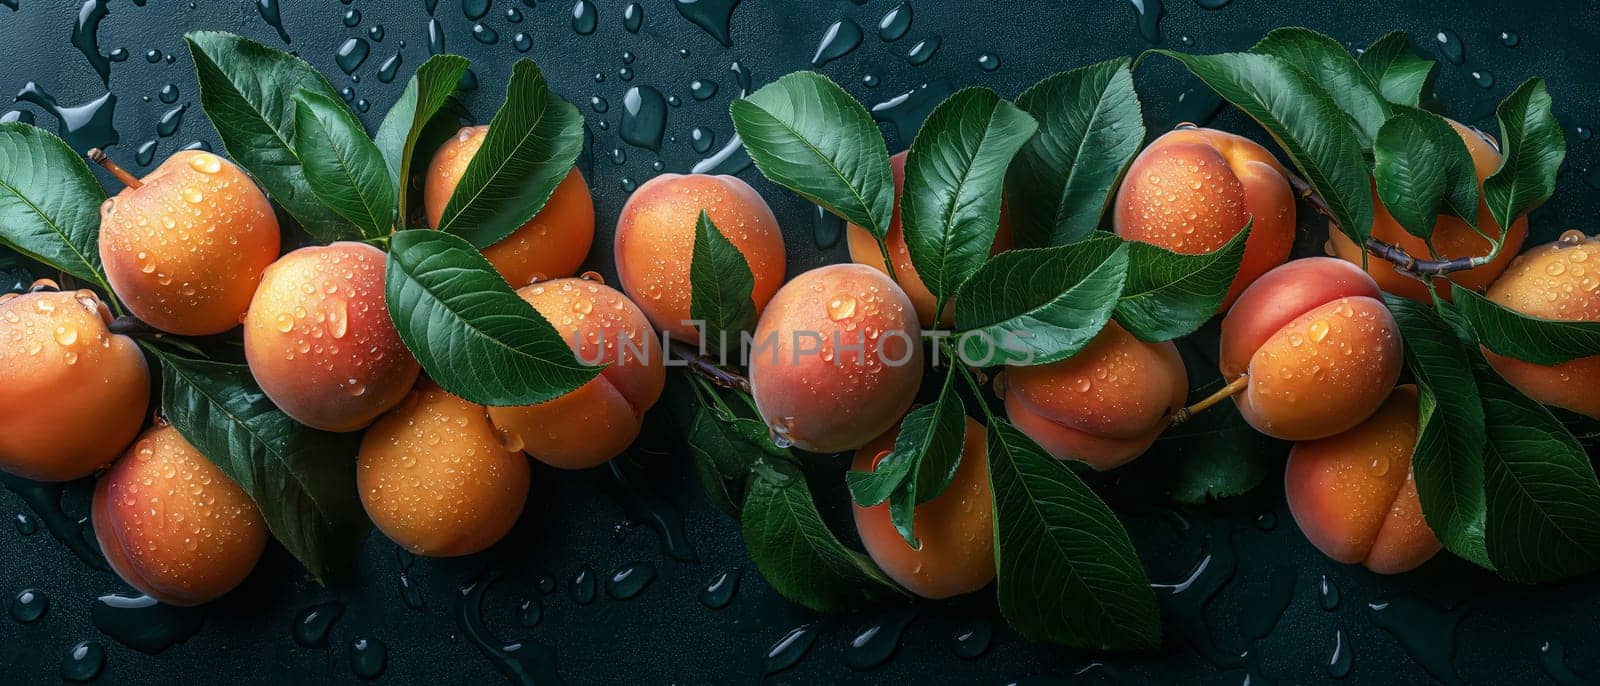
x,y
98,156
133,327
1222,394
1423,270
704,367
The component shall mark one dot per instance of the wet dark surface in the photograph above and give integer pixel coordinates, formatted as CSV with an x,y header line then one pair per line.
x,y
587,586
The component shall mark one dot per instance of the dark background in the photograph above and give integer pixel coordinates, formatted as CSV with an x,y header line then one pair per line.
x,y
1482,630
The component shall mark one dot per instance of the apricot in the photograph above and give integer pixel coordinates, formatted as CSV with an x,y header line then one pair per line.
x,y
1561,281
956,529
437,479
836,358
185,247
1193,189
864,250
319,339
173,525
1354,495
654,244
1104,406
601,418
72,394
552,244
1451,236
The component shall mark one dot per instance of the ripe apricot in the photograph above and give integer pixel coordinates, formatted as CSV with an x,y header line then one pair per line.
x,y
1354,495
319,339
437,479
1560,280
72,394
173,525
836,358
864,250
601,418
956,529
185,247
552,244
1451,236
1192,190
1104,406
654,244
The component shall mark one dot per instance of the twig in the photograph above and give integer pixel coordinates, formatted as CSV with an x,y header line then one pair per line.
x,y
1222,394
98,156
1423,270
134,327
704,367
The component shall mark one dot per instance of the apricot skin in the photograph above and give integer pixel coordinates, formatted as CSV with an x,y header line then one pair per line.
x,y
956,529
186,249
435,477
1191,191
72,394
1451,236
1560,280
654,243
864,250
173,525
1354,495
552,244
837,397
319,339
1104,406
1320,347
600,419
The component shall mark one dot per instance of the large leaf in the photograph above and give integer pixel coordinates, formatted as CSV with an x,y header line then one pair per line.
x,y
1170,295
303,480
950,209
1532,148
472,334
1326,62
49,202
807,134
1090,128
927,451
1401,75
530,148
426,94
247,90
1040,305
1068,572
1423,169
343,166
720,282
1513,334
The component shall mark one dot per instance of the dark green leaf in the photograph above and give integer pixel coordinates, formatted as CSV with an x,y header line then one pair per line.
x,y
1423,169
1513,334
426,94
721,460
927,451
721,283
49,202
343,166
1399,73
1327,63
1040,305
1532,148
1170,295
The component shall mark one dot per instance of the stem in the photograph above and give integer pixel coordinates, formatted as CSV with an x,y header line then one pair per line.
x,y
977,391
1421,269
1222,394
98,156
128,325
704,367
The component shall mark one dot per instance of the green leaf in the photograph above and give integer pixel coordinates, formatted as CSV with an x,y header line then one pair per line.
x,y
1170,295
472,334
951,204
343,166
247,90
1040,305
796,553
429,89
1305,122
1090,128
1536,340
1068,572
530,148
807,134
1423,169
722,462
720,282
1401,75
50,202
1327,63
303,480
927,451
1532,148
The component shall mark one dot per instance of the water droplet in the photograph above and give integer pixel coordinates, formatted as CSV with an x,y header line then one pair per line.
x,y
702,89
351,53
876,643
1328,594
1426,632
83,662
923,51
644,117
633,17
485,34
1449,46
791,648
895,23
584,586
988,62
1149,13
1317,331
712,16
1340,662
390,67
1509,39
1484,78
584,20
368,658
702,139
972,640
29,605
630,580
312,626
142,623
841,307
841,38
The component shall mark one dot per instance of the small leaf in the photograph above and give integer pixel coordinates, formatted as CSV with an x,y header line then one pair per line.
x,y
1327,63
1090,128
530,148
1532,339
1423,169
927,451
50,202
343,166
1068,572
951,204
720,282
721,460
426,94
1532,148
1401,75
1040,305
473,335
1170,295
807,134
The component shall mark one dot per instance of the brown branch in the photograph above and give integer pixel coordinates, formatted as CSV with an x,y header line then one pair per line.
x,y
1222,394
98,156
134,327
1421,269
703,366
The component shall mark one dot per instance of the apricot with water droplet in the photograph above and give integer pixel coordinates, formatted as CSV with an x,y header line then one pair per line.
x,y
1561,281
72,394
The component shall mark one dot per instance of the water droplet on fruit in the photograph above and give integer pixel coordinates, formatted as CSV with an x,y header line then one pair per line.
x,y
841,307
1318,331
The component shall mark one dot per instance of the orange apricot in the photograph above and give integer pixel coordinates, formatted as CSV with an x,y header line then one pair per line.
x,y
1353,494
601,418
319,339
554,243
1317,348
173,525
1105,405
654,243
72,394
1193,189
1561,281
